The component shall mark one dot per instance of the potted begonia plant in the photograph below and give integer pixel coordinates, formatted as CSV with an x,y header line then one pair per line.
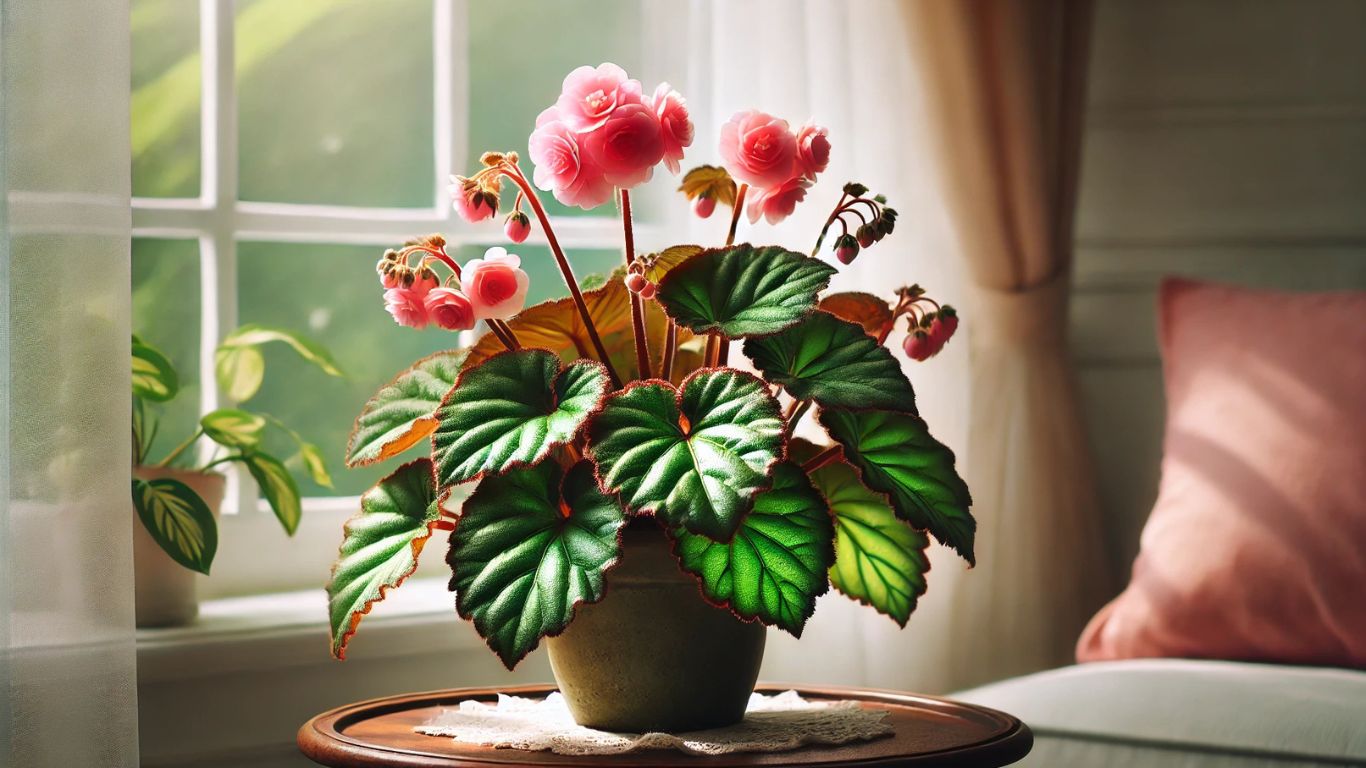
x,y
637,500
177,497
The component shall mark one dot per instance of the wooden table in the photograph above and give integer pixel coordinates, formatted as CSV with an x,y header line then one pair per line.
x,y
929,732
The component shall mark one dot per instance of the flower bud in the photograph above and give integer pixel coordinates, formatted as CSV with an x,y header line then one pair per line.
x,y
947,322
918,346
517,227
425,280
846,248
436,241
867,235
636,282
704,206
649,291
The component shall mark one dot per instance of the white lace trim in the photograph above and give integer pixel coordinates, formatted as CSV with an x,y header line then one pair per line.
x,y
772,724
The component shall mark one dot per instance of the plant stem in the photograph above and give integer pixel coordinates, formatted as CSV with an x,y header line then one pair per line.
x,y
515,173
179,449
834,214
637,307
795,414
221,460
735,213
666,365
821,459
709,357
511,334
722,349
496,331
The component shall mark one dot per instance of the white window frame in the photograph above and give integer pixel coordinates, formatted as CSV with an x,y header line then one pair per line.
x,y
254,555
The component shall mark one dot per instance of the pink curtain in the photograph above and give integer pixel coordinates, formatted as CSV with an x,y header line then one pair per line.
x,y
1005,84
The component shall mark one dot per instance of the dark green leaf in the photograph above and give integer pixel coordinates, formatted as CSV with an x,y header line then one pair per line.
x,y
895,455
528,549
510,411
154,378
403,412
742,290
279,488
775,567
178,520
880,559
833,362
380,546
233,428
695,457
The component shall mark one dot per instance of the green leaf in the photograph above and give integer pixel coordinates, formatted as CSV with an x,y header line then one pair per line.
x,y
403,412
312,457
880,559
833,362
240,367
895,455
239,370
380,546
510,411
528,549
775,567
742,290
233,428
154,378
178,520
279,488
695,457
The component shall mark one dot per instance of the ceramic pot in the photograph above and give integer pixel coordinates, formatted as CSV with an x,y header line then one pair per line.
x,y
164,590
653,655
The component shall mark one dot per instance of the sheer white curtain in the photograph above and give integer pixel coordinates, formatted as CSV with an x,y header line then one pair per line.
x,y
68,692
844,66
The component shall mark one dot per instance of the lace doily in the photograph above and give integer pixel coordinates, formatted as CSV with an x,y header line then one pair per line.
x,y
772,724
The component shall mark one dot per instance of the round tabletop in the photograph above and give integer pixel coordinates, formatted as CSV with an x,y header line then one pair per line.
x,y
928,732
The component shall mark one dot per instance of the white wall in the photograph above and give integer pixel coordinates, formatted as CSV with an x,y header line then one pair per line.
x,y
1225,140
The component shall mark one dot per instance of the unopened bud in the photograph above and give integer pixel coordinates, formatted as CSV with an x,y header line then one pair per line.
x,y
517,227
846,249
636,282
704,206
867,235
918,346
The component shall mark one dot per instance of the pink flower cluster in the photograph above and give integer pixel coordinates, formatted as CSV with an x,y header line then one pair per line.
x,y
779,165
925,342
603,132
491,288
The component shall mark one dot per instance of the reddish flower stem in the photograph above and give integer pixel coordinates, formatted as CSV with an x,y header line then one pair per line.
x,y
666,365
834,214
821,459
515,174
637,306
735,213
722,349
497,330
709,357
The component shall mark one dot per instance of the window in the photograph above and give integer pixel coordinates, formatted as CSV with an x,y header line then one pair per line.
x,y
278,147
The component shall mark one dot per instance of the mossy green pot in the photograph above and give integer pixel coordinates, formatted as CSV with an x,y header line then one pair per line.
x,y
653,655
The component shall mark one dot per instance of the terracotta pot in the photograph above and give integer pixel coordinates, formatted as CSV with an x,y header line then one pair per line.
x,y
653,655
164,590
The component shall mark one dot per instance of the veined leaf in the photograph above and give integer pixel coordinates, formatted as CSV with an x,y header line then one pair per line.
x,y
865,309
880,559
233,428
657,265
895,455
240,367
530,546
380,546
709,180
178,520
279,488
510,411
403,412
833,362
154,378
312,458
743,290
775,567
695,456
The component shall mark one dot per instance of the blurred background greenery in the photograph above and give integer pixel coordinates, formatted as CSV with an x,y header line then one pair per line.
x,y
335,107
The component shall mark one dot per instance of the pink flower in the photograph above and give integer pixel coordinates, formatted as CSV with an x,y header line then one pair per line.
x,y
589,96
626,147
674,124
407,306
758,149
473,203
424,280
449,309
495,285
813,150
779,202
561,166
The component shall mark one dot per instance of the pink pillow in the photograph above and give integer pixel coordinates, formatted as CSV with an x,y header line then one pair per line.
x,y
1256,548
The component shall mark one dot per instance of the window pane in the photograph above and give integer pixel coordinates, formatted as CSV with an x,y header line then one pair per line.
x,y
335,102
166,315
511,83
165,98
330,293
